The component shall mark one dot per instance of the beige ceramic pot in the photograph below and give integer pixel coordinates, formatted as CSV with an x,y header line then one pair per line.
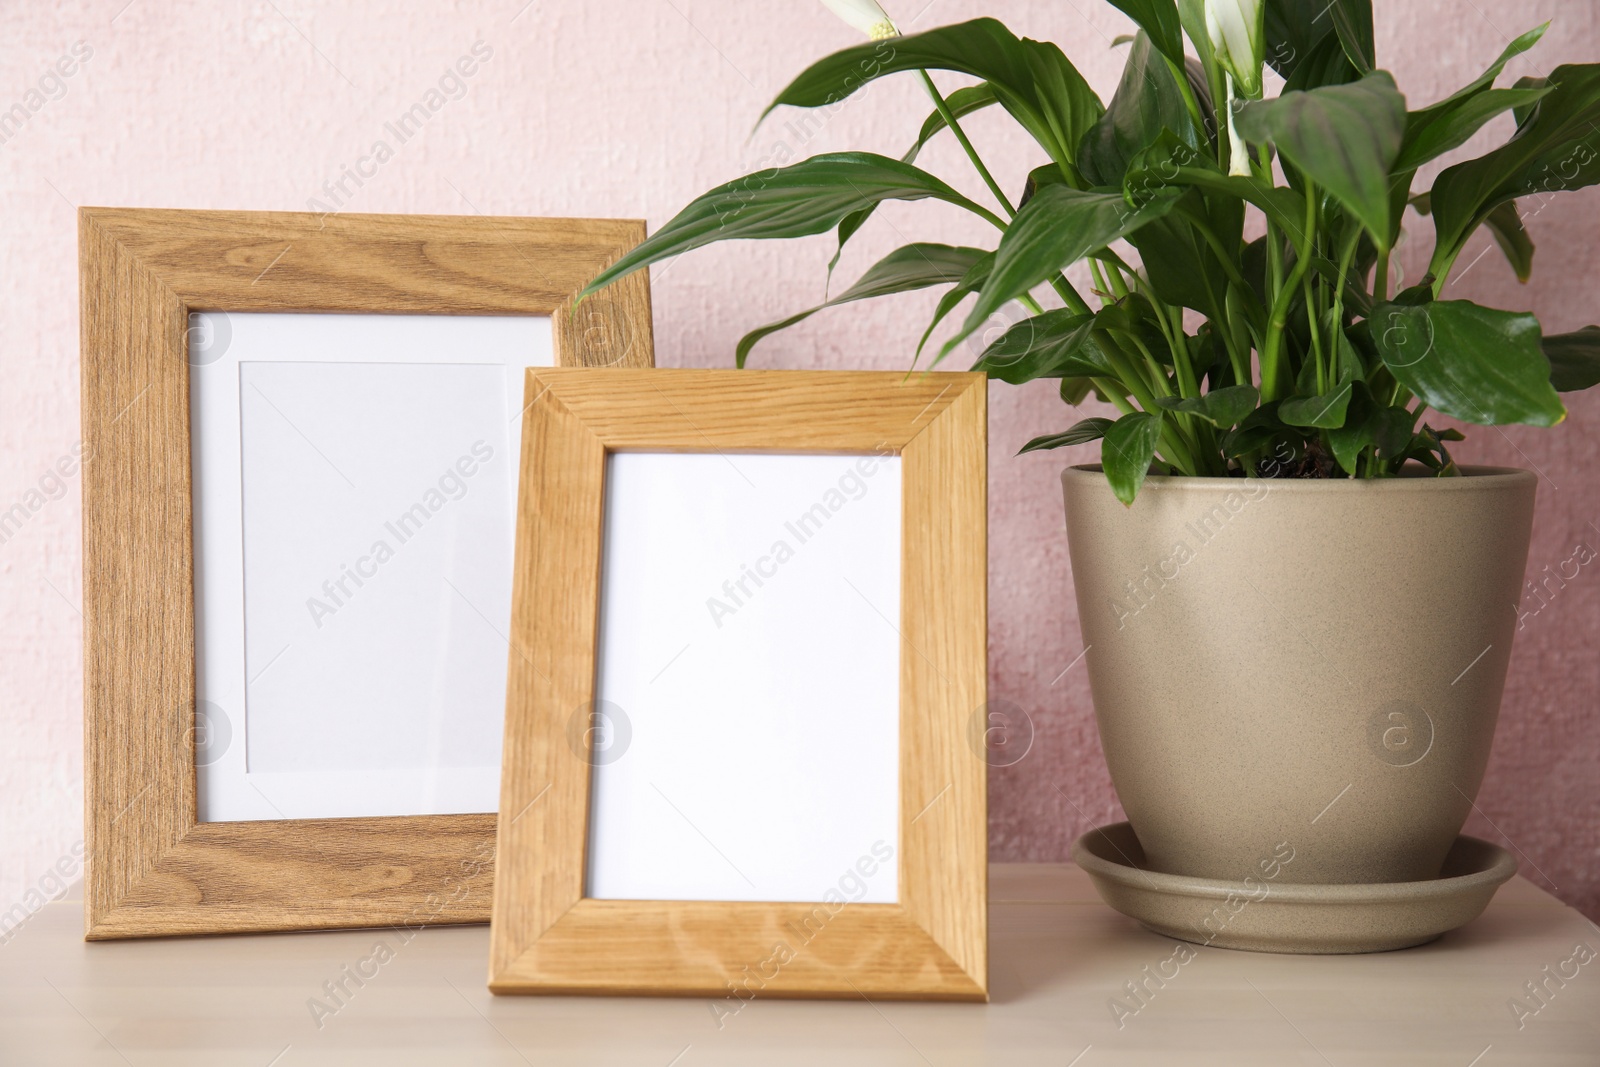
x,y
1315,663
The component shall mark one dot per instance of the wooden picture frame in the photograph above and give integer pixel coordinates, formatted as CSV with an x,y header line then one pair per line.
x,y
152,868
547,935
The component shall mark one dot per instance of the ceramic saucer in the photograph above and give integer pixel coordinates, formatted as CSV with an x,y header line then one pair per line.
x,y
1270,916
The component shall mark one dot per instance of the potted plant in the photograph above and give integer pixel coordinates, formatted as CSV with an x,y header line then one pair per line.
x,y
1298,606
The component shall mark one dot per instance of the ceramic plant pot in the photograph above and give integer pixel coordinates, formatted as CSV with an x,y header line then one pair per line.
x,y
1316,663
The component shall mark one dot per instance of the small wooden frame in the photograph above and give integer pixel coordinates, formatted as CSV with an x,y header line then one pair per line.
x,y
152,867
547,934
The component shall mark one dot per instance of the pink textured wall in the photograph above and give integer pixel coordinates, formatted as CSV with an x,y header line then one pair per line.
x,y
630,109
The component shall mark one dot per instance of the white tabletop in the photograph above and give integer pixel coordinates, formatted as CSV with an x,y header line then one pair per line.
x,y
1059,958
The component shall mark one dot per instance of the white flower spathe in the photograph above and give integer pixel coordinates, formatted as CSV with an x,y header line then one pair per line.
x,y
1238,37
865,16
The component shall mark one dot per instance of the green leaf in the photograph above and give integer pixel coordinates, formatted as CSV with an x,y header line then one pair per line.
x,y
1486,79
1181,267
1038,178
1369,424
1352,21
1222,408
1130,445
915,266
1032,80
1505,224
1428,448
1522,114
1432,133
1477,364
1056,344
1152,169
1148,101
1075,390
1306,42
1343,137
1291,29
1159,19
807,198
1259,429
1556,148
1429,138
1323,412
1325,64
1574,359
1081,433
970,283
1059,226
962,102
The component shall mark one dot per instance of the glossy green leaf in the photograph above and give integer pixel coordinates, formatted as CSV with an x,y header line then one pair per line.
x,y
807,198
1323,412
970,283
962,102
1368,424
1441,130
1147,101
1056,344
1181,267
1556,148
1486,79
1038,178
1291,28
1478,364
1165,165
1158,19
1222,408
1505,224
1130,445
1325,64
1523,113
1343,137
1258,430
1081,433
915,266
1032,80
1352,22
1428,448
1059,226
1574,359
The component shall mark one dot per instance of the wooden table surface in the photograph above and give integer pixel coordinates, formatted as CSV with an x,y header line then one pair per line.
x,y
1060,963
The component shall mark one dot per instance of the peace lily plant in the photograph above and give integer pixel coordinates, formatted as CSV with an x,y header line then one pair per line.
x,y
1245,317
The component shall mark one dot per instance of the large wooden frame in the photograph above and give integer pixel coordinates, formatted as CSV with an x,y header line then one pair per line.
x,y
546,936
152,868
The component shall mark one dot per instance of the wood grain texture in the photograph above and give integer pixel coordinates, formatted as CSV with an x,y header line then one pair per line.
x,y
546,937
151,867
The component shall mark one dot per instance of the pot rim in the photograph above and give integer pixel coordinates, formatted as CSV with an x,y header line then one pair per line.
x,y
1412,478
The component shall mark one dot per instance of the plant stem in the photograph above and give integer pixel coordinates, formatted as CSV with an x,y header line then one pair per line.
x,y
1069,295
1380,277
943,107
1272,369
